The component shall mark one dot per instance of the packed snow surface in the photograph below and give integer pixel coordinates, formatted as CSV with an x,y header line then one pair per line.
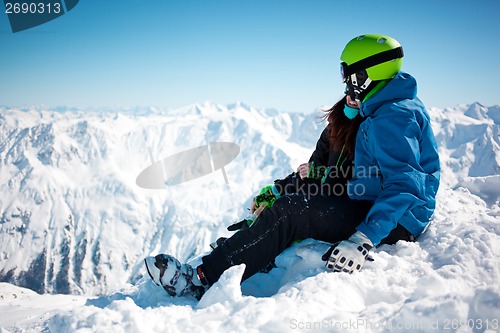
x,y
74,228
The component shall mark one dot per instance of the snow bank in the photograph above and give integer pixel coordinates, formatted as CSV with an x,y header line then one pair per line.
x,y
446,281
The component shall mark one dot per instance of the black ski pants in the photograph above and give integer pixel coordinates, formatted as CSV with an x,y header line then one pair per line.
x,y
292,217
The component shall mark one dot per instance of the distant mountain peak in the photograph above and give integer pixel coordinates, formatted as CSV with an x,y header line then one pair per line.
x,y
477,111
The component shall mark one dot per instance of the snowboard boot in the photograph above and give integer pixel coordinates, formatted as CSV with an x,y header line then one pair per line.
x,y
177,279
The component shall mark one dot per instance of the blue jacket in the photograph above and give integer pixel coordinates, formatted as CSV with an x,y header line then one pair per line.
x,y
396,161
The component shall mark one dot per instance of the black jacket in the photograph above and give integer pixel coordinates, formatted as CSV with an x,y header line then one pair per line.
x,y
334,183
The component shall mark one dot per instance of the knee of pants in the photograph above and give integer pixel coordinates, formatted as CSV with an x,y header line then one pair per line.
x,y
280,212
280,208
291,202
290,208
282,202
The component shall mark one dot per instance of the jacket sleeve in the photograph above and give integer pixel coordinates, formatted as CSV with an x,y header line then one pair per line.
x,y
396,150
321,153
292,182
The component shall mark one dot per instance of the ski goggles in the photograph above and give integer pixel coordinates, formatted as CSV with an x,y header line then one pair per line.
x,y
343,70
376,59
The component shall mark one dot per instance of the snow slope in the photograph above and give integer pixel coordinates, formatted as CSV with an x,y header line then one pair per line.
x,y
74,222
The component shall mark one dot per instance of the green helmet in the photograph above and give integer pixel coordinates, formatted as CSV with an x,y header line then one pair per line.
x,y
380,55
367,60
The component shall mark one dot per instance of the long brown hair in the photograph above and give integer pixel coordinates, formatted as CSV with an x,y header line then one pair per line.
x,y
341,129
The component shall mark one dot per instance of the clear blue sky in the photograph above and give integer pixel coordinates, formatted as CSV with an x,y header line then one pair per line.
x,y
266,53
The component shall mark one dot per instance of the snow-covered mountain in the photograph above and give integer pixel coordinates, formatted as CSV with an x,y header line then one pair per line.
x,y
74,221
468,138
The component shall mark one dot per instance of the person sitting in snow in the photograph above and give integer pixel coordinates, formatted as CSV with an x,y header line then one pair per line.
x,y
390,196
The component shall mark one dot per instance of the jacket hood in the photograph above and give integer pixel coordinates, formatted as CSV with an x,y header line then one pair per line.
x,y
402,86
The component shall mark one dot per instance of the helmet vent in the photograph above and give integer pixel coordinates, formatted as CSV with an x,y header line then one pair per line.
x,y
381,40
360,37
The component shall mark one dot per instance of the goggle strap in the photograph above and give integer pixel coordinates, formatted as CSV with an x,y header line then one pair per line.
x,y
354,80
366,84
373,60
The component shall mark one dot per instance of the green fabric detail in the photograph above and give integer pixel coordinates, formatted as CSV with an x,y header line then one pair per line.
x,y
376,89
266,196
340,156
250,221
266,189
316,171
